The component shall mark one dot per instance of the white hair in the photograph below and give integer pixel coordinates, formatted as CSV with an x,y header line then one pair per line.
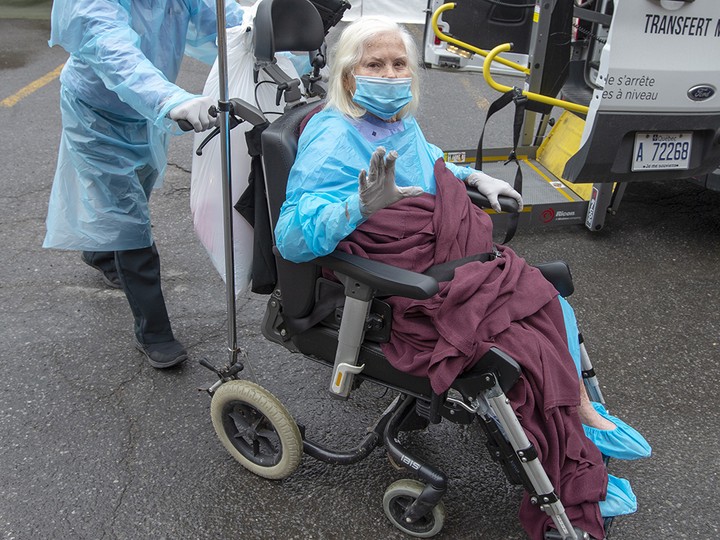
x,y
348,52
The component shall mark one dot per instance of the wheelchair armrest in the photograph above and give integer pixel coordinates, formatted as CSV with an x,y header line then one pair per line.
x,y
507,204
558,273
385,279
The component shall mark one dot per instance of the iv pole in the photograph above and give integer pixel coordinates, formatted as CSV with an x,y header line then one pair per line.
x,y
224,112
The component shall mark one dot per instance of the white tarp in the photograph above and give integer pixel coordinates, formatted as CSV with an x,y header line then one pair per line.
x,y
403,11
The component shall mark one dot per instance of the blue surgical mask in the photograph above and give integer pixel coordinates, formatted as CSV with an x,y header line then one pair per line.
x,y
381,96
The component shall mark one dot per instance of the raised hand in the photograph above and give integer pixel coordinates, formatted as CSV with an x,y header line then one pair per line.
x,y
378,189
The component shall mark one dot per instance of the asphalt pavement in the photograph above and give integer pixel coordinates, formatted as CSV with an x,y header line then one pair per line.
x,y
96,444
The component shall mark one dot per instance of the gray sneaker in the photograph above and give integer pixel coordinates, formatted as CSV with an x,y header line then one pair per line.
x,y
163,355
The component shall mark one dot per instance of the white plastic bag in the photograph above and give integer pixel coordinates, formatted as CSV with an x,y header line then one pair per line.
x,y
206,201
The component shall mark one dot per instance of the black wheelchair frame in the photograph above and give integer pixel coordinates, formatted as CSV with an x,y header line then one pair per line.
x,y
341,325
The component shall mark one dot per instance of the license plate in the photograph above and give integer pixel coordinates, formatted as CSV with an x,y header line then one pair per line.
x,y
660,151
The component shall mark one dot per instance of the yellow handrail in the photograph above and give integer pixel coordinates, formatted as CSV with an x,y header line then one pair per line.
x,y
467,46
567,105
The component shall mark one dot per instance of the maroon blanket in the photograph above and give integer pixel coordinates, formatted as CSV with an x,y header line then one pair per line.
x,y
504,303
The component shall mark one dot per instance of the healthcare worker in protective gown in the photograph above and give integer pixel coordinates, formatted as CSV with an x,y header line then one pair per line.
x,y
119,103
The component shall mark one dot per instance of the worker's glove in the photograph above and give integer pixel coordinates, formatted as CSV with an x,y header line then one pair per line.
x,y
378,189
492,187
196,111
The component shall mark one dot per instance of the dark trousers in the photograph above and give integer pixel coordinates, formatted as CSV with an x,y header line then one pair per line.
x,y
139,271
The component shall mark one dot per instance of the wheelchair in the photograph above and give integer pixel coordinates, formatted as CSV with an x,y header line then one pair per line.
x,y
341,324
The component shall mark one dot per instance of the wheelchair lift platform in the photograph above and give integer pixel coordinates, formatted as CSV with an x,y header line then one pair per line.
x,y
547,198
641,98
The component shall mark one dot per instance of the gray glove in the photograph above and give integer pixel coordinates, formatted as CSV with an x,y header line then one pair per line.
x,y
378,189
197,112
492,187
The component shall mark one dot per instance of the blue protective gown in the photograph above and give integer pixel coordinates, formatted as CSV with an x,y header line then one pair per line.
x,y
322,205
117,88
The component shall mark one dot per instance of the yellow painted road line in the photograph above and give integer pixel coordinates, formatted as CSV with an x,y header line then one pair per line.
x,y
480,102
32,87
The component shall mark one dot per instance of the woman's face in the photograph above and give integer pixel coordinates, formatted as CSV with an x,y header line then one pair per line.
x,y
384,57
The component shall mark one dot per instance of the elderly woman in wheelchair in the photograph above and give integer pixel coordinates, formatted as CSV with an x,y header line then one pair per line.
x,y
365,181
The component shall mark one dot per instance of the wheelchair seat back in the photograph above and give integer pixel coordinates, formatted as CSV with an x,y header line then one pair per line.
x,y
279,143
286,25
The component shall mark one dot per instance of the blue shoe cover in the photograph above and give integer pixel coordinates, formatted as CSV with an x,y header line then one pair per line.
x,y
620,499
623,442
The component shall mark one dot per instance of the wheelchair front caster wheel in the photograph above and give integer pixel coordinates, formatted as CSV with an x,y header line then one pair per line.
x,y
256,429
398,498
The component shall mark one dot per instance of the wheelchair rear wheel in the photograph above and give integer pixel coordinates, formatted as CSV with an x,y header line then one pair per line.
x,y
256,429
399,496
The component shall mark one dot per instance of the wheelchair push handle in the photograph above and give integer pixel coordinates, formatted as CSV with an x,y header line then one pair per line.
x,y
240,111
187,126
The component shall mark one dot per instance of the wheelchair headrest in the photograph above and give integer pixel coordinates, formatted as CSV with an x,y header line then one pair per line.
x,y
286,25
